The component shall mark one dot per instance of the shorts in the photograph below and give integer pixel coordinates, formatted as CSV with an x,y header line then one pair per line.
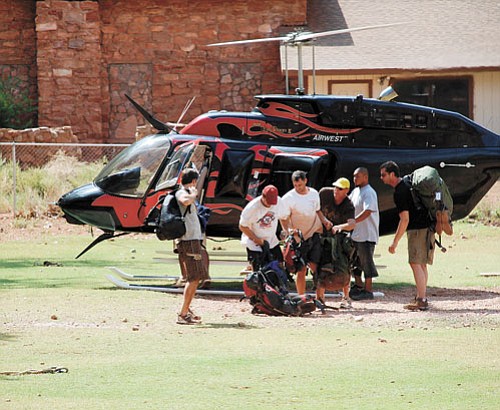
x,y
256,257
311,250
364,259
193,264
421,244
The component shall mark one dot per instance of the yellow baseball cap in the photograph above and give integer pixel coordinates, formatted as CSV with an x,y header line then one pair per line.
x,y
342,183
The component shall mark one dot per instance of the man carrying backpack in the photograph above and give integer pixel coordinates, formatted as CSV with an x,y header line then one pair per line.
x,y
189,245
416,223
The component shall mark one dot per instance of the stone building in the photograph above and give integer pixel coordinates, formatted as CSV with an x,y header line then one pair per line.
x,y
79,58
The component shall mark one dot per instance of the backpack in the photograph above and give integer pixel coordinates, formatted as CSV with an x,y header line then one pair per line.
x,y
170,224
292,255
337,257
430,192
267,291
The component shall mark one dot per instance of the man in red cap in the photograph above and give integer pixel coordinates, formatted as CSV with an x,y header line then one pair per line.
x,y
258,224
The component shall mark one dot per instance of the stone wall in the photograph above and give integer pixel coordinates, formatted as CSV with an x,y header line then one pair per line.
x,y
90,53
39,134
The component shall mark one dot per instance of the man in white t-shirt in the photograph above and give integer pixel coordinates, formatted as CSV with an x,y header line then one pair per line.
x,y
259,223
303,214
365,234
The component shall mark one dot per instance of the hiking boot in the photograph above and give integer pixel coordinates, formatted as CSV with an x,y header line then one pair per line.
x,y
187,320
417,304
443,223
363,294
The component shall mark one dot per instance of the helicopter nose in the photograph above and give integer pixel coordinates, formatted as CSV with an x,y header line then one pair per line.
x,y
77,207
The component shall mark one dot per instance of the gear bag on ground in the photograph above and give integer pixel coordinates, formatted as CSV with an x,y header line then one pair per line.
x,y
267,291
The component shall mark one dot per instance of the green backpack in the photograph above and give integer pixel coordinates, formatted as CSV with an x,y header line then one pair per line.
x,y
430,192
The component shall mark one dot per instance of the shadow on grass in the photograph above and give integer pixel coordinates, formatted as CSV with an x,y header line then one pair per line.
x,y
27,263
237,326
7,338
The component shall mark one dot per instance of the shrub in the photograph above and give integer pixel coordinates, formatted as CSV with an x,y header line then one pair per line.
x,y
38,188
16,108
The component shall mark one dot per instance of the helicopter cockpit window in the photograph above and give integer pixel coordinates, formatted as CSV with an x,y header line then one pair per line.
x,y
170,175
130,172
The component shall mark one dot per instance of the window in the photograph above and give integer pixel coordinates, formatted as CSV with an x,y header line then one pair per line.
x,y
234,173
449,94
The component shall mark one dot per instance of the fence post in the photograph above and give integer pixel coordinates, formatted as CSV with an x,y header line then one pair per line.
x,y
14,198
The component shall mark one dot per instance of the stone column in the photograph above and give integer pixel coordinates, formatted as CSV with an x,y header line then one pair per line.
x,y
69,67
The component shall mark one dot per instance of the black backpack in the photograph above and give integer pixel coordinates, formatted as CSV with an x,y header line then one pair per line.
x,y
170,224
267,291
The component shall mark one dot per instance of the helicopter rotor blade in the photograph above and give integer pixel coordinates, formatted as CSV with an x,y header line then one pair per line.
x,y
160,126
310,36
298,37
255,40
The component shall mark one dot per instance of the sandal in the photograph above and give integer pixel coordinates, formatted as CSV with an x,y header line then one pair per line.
x,y
186,320
194,316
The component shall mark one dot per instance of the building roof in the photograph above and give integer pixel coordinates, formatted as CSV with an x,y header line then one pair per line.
x,y
438,35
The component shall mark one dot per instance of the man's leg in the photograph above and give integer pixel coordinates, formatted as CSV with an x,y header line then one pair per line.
x,y
420,275
189,292
320,293
300,281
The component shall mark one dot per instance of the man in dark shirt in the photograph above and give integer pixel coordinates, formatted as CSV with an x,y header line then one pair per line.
x,y
417,225
338,210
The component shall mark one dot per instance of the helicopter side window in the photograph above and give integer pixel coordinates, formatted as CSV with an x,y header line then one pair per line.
x,y
421,121
285,164
170,174
234,174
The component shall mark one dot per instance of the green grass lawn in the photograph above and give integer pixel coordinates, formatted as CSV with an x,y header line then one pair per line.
x,y
124,350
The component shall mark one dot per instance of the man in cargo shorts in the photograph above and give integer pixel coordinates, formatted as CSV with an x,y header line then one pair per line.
x,y
189,245
417,225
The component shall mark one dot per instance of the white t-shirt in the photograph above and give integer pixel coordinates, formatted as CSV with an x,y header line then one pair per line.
x,y
262,221
365,198
193,227
301,209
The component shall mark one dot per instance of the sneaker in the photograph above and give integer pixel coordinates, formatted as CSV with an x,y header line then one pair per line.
x,y
355,290
187,320
363,294
418,304
205,284
345,304
181,282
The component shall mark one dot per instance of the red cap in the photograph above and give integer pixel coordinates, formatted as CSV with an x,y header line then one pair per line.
x,y
270,192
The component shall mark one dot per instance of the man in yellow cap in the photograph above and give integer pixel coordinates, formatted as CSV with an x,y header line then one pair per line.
x,y
339,210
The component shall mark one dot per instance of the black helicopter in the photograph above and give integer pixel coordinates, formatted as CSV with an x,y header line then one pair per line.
x,y
238,153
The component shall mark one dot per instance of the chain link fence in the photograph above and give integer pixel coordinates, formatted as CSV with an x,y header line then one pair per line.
x,y
55,162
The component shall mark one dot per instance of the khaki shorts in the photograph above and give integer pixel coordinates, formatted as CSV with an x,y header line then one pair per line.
x,y
421,246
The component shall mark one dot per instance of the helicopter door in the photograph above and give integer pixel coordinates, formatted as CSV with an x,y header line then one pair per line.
x,y
286,161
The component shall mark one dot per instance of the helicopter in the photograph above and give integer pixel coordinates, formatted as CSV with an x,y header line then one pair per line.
x,y
239,153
